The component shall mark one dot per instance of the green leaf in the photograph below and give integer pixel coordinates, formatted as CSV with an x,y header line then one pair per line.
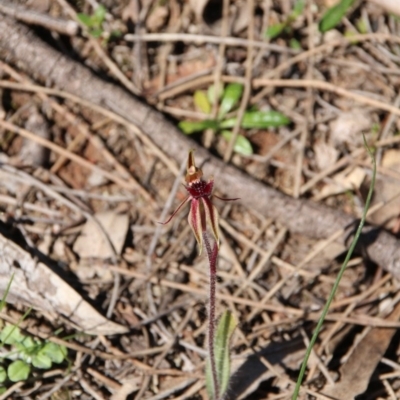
x,y
96,32
27,344
334,15
55,352
297,9
190,127
362,26
99,15
242,144
3,299
230,97
41,361
3,374
294,44
213,94
18,371
225,328
85,19
11,335
201,101
116,34
258,119
275,30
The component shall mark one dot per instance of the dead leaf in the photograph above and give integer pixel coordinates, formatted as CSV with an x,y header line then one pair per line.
x,y
36,285
131,12
386,190
348,125
157,18
188,68
356,373
390,6
342,182
92,242
247,375
125,390
243,17
33,153
198,7
325,155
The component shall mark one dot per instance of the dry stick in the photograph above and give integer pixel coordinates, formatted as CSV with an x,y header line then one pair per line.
x,y
318,363
79,160
338,325
201,39
309,101
247,86
100,52
328,171
284,279
189,394
149,267
83,131
34,17
20,46
297,313
386,129
101,110
329,87
195,290
314,84
209,134
324,47
166,50
261,53
264,259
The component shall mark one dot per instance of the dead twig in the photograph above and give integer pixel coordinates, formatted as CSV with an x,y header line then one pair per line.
x,y
33,17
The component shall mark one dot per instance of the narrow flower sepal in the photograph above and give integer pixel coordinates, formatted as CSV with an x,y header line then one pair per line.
x,y
212,217
195,222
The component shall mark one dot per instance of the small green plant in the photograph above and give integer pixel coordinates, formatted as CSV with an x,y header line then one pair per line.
x,y
26,352
334,15
231,95
225,329
94,22
22,352
286,26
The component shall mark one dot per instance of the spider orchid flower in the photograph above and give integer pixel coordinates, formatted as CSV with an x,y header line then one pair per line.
x,y
202,212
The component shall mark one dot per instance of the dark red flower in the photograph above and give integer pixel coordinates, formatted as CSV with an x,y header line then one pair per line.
x,y
202,211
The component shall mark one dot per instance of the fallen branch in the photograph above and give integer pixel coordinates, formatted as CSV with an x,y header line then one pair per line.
x,y
21,47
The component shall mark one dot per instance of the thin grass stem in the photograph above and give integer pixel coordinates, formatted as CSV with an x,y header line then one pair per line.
x,y
338,278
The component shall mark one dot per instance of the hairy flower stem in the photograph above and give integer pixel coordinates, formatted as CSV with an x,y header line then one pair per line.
x,y
212,255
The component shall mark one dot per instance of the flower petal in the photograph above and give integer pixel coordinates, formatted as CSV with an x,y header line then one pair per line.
x,y
212,217
195,222
193,174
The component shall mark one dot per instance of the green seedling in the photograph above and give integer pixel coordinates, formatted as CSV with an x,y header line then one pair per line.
x,y
334,15
25,352
21,352
226,326
286,26
252,119
94,22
